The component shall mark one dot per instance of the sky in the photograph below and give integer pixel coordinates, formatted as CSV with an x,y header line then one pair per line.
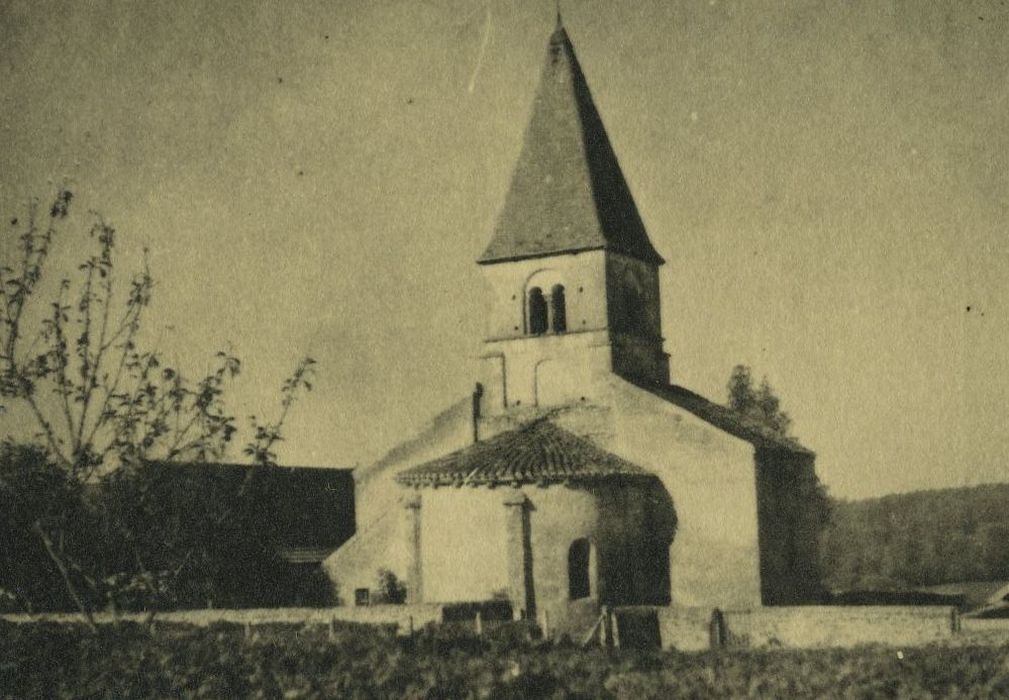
x,y
827,181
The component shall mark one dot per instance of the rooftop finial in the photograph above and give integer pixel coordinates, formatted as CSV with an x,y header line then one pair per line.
x,y
560,22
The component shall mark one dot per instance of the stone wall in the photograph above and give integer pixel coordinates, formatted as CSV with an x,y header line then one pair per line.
x,y
633,299
696,629
480,543
380,541
376,491
383,545
682,628
981,631
523,370
462,540
685,629
786,491
583,276
629,525
829,626
403,616
635,319
541,371
709,475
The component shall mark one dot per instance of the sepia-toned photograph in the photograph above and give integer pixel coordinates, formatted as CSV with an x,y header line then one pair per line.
x,y
504,349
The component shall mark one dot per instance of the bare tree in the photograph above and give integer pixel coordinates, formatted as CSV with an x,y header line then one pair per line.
x,y
95,394
100,400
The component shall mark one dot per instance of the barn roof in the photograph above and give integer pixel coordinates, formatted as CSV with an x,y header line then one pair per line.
x,y
308,507
537,452
568,193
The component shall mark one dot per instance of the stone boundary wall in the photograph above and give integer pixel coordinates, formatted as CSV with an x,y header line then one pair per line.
x,y
697,629
839,626
403,616
672,627
973,624
684,629
984,631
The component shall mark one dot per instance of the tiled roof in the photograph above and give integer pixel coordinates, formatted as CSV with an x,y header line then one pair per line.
x,y
568,193
538,452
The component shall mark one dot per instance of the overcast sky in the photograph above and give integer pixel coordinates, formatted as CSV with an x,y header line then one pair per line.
x,y
826,180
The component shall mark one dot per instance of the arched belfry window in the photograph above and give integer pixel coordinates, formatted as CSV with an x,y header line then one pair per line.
x,y
581,569
537,311
560,313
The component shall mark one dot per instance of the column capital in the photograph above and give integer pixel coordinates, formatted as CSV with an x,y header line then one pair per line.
x,y
411,501
514,497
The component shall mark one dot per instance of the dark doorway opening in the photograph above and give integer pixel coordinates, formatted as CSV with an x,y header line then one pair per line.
x,y
579,569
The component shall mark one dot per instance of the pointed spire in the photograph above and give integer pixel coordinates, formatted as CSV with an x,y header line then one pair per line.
x,y
567,193
560,22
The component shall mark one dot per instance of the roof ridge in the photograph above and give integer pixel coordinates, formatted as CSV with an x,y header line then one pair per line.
x,y
722,417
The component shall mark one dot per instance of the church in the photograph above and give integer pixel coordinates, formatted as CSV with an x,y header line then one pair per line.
x,y
577,475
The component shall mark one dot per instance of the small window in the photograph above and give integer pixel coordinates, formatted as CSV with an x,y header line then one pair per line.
x,y
560,311
362,596
537,312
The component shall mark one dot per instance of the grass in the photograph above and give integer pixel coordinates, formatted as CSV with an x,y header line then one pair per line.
x,y
353,661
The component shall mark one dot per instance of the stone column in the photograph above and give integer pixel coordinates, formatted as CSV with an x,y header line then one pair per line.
x,y
414,570
519,554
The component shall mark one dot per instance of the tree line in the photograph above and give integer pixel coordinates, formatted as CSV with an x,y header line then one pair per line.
x,y
922,538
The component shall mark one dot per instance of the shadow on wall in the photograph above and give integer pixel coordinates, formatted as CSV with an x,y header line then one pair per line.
x,y
636,529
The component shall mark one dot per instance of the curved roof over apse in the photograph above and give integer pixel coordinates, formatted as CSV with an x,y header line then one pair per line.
x,y
539,452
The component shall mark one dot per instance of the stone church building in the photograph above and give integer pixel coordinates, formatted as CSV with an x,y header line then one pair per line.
x,y
577,475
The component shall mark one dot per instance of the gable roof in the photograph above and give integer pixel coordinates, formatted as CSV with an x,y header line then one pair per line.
x,y
722,417
537,452
568,193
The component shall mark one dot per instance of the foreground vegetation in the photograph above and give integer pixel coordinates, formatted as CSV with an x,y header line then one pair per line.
x,y
349,661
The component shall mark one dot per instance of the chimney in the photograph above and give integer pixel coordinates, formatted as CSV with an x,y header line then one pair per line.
x,y
477,395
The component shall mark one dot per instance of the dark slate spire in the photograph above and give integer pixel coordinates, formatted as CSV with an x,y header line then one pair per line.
x,y
568,193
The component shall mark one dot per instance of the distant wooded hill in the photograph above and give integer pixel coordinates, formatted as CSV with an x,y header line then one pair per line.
x,y
924,538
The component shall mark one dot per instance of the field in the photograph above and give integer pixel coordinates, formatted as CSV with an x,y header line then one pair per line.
x,y
352,661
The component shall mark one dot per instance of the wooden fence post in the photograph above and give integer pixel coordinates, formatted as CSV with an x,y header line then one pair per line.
x,y
592,632
479,624
604,619
716,629
615,621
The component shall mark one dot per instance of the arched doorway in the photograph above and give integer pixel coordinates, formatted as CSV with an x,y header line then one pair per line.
x,y
581,569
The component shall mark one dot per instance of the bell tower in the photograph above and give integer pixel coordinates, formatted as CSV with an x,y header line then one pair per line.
x,y
574,277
